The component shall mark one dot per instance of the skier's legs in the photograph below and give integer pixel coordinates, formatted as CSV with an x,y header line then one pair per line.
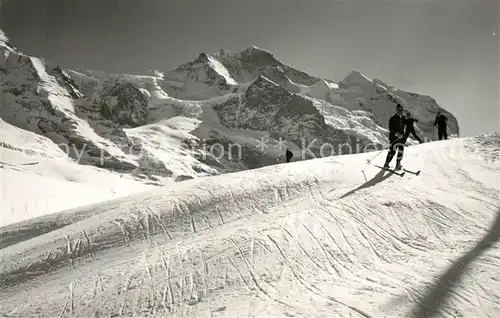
x,y
389,157
443,133
416,136
391,153
401,148
396,145
407,134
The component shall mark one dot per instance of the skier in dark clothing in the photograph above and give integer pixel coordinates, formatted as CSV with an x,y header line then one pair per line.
x,y
410,130
441,122
289,155
396,138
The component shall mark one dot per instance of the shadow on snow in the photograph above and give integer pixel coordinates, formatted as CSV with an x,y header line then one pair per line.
x,y
431,302
379,177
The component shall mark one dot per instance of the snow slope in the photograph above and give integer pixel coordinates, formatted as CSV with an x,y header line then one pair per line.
x,y
330,237
34,100
38,178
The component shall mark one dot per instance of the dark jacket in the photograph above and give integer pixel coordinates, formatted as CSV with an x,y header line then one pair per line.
x,y
440,121
409,124
396,125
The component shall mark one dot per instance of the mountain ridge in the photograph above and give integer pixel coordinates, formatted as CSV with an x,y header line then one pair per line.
x,y
219,98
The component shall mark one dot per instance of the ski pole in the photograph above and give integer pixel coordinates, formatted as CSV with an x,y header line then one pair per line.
x,y
369,160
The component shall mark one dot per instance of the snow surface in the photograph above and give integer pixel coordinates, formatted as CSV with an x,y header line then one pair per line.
x,y
163,140
28,143
34,186
330,237
321,90
38,178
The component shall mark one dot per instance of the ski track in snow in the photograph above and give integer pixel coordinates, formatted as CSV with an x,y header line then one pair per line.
x,y
294,240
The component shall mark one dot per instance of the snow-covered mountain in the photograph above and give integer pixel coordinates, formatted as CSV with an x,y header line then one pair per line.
x,y
329,237
93,223
357,91
222,112
222,72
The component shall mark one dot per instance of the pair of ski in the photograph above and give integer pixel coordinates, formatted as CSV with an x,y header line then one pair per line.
x,y
399,172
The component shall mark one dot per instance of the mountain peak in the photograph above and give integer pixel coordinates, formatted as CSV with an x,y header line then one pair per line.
x,y
356,77
202,57
256,49
259,56
252,51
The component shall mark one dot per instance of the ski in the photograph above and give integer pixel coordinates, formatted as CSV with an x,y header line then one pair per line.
x,y
391,170
413,172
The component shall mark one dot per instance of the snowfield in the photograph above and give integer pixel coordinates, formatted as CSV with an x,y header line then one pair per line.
x,y
329,237
38,178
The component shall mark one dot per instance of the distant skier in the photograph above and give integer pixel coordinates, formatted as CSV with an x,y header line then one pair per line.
x,y
396,138
441,122
289,155
410,130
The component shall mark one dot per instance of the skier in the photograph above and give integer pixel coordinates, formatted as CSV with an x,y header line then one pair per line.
x,y
441,124
396,138
289,155
410,130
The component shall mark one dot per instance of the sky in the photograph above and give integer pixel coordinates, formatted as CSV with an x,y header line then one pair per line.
x,y
449,50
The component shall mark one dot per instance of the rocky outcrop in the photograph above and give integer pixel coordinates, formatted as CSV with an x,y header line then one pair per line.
x,y
266,106
66,81
124,104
